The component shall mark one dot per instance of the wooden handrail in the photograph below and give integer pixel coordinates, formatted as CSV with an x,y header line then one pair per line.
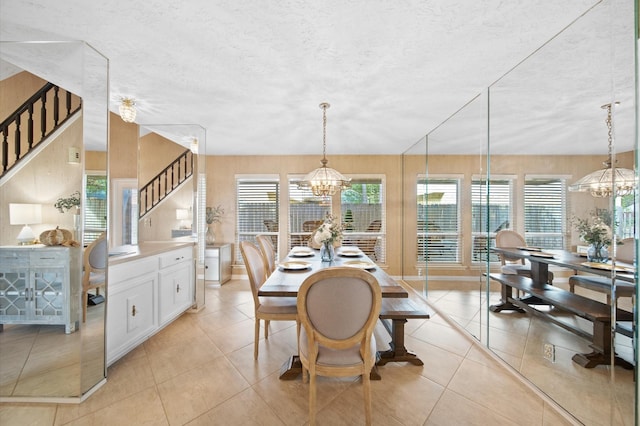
x,y
162,184
46,105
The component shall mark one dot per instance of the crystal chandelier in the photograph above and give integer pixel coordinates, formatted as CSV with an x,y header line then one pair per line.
x,y
128,110
324,181
610,180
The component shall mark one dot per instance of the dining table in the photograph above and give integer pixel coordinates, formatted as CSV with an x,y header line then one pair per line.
x,y
302,262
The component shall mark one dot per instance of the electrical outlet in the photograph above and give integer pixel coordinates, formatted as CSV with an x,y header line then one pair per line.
x,y
549,352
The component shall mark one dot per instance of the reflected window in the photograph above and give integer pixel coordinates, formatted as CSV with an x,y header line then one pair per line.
x,y
491,207
95,207
257,209
363,216
545,204
306,213
438,227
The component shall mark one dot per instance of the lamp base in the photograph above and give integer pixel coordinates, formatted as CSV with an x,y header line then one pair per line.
x,y
26,236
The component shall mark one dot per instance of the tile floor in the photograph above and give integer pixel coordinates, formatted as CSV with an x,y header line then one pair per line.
x,y
200,371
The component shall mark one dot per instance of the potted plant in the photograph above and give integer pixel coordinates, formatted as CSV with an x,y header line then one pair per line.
x,y
65,204
213,215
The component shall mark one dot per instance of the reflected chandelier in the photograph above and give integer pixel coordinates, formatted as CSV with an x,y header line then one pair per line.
x,y
610,180
324,181
128,110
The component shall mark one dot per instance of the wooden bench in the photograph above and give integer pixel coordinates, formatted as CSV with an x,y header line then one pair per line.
x,y
596,312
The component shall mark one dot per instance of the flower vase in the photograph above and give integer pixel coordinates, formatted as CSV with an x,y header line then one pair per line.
x,y
597,253
327,252
210,237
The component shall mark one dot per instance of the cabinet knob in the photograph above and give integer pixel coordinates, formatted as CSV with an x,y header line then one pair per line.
x,y
133,311
178,288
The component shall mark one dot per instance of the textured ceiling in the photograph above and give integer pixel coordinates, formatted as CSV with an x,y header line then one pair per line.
x,y
252,73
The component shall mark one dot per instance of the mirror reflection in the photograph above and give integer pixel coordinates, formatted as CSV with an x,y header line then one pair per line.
x,y
52,342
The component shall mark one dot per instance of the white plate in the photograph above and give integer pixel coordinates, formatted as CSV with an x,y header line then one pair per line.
x,y
360,264
295,265
302,252
350,253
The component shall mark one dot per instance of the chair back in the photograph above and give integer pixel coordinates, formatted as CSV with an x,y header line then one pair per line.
x,y
507,238
338,308
375,226
95,255
268,252
256,269
626,251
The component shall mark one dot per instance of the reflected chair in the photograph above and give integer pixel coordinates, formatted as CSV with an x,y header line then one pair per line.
x,y
268,251
337,310
272,226
265,308
94,270
625,252
368,244
507,238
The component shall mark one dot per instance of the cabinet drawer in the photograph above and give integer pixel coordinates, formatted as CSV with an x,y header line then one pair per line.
x,y
125,271
50,257
10,259
176,256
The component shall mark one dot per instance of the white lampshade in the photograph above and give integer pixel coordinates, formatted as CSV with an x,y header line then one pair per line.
x,y
25,214
182,214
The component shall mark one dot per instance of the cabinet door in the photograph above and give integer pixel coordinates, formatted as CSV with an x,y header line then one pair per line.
x,y
13,294
175,295
47,295
130,315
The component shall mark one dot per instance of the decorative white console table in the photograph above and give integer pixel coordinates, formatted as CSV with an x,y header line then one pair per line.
x,y
40,285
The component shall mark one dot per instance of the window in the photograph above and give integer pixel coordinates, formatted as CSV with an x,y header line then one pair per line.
x,y
95,207
489,217
545,205
363,216
306,213
257,209
438,227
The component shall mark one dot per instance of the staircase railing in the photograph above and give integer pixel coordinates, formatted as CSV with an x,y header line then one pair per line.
x,y
38,117
165,182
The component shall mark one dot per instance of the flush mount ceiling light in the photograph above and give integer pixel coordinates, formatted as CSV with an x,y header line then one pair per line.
x,y
324,181
611,180
128,110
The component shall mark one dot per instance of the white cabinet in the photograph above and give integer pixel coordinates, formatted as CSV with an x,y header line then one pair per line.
x,y
40,285
175,284
217,263
145,294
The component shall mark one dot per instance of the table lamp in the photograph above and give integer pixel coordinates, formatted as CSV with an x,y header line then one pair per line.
x,y
25,214
182,215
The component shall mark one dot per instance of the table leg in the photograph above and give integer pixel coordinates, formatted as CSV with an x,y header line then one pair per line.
x,y
291,369
506,293
398,352
601,355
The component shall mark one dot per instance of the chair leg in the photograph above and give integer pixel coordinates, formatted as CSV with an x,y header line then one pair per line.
x,y
312,399
256,338
366,388
266,329
84,305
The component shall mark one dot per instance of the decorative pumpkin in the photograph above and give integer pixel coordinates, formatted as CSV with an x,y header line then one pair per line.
x,y
57,237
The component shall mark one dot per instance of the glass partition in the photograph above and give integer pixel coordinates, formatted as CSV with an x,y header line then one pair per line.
x,y
50,362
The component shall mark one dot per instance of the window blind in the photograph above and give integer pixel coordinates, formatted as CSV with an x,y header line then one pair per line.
x,y
363,214
95,207
491,211
545,205
438,224
306,212
257,210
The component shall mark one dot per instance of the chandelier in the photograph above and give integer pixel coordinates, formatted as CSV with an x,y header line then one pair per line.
x,y
610,180
324,181
128,110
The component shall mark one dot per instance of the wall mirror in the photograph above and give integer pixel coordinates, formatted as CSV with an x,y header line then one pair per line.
x,y
42,362
172,188
536,131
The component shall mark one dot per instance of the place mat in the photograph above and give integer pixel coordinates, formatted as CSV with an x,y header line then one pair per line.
x,y
530,248
607,267
360,264
294,265
543,254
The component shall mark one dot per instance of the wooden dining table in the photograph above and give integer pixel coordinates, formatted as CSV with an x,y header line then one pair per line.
x,y
286,279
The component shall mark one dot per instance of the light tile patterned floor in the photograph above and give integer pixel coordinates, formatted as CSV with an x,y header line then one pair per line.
x,y
200,371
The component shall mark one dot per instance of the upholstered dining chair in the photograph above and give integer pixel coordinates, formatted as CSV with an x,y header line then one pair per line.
x,y
507,238
265,308
337,310
94,269
268,252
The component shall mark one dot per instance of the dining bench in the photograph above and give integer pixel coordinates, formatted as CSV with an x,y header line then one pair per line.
x,y
598,313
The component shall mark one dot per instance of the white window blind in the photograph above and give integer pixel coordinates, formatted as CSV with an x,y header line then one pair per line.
x,y
545,205
491,211
95,207
257,210
363,216
438,226
306,213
